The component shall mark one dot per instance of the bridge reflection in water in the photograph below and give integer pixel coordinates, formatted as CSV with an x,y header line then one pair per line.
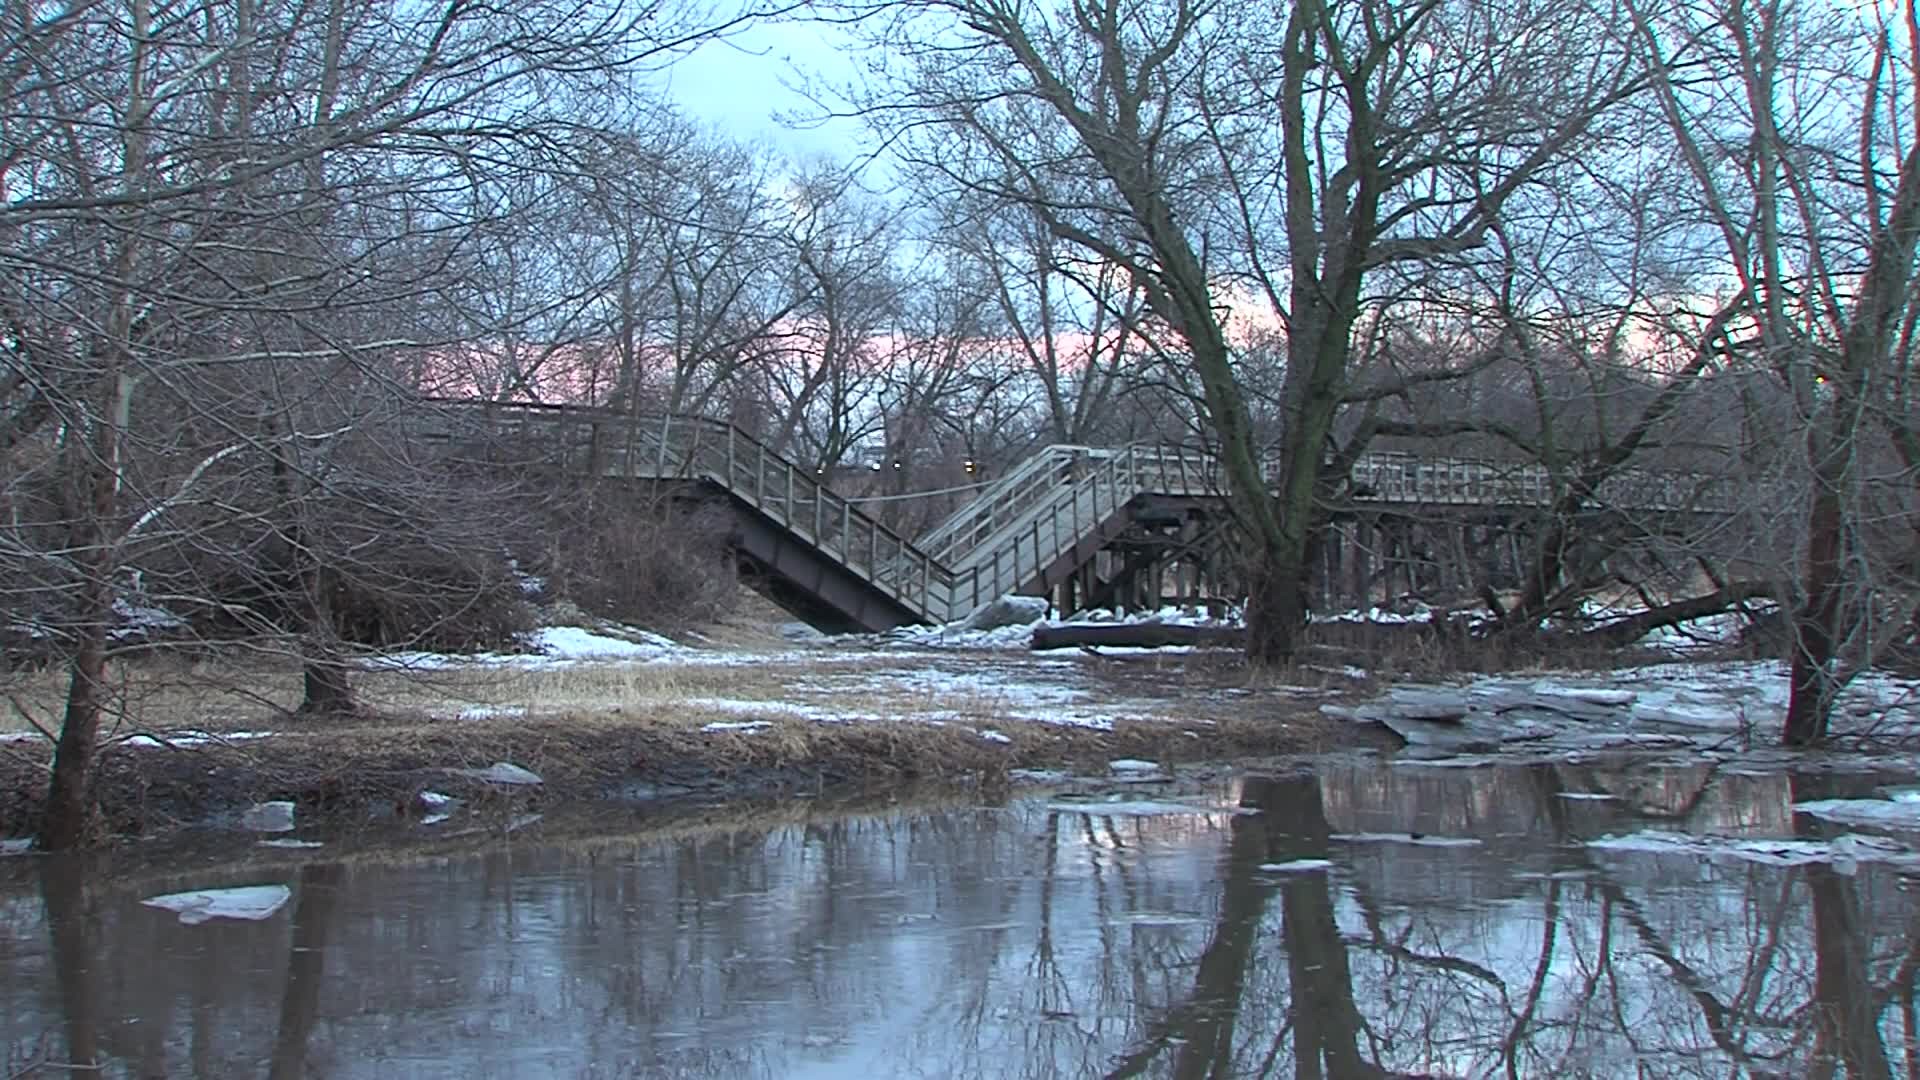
x,y
1032,939
1040,527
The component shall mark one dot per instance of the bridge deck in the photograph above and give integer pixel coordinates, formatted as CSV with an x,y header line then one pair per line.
x,y
1021,533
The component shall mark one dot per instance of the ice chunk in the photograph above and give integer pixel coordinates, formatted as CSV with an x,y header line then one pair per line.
x,y
1840,851
502,772
1132,765
1298,866
1138,808
1886,813
268,817
252,902
1405,838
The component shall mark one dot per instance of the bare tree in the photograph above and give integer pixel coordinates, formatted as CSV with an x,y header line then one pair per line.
x,y
1215,158
1817,217
199,194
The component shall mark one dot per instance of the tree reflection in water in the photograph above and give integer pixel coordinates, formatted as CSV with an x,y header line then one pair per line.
x,y
1029,940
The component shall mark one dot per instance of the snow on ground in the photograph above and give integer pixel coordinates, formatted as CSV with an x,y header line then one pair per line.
x,y
492,712
960,634
1420,613
142,620
191,737
549,646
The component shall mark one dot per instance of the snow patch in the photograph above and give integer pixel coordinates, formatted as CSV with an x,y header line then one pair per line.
x,y
142,620
492,712
994,736
192,737
575,643
738,726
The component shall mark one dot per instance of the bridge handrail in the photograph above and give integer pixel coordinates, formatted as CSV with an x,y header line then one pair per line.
x,y
693,447
1403,476
1022,524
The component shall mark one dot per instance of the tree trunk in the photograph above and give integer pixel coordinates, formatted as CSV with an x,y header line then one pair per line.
x,y
325,690
69,812
1813,681
1276,608
324,685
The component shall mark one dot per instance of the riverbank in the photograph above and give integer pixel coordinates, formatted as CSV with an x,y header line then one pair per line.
x,y
673,725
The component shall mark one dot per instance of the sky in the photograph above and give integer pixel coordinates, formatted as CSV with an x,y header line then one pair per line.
x,y
739,84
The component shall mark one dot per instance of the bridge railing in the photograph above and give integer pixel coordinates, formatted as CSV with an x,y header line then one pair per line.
x,y
1392,476
667,447
1023,526
1017,544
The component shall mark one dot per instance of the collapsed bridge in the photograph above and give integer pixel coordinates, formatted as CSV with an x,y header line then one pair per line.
x,y
1042,527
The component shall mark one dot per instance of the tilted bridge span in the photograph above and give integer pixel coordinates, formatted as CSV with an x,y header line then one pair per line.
x,y
1028,531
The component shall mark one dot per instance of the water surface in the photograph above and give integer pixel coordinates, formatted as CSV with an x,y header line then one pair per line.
x,y
1465,925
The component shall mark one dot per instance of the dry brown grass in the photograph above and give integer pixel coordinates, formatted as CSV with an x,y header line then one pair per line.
x,y
242,694
598,730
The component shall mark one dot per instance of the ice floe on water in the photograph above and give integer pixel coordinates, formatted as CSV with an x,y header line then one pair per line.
x,y
1138,808
1676,706
250,902
1841,851
1416,839
1297,866
1884,813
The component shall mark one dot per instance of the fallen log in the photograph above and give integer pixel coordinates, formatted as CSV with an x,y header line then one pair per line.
x,y
1136,635
1625,631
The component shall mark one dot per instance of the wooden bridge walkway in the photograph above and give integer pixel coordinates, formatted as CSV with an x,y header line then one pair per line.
x,y
1026,532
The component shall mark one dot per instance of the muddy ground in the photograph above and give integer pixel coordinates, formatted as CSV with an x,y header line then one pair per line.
x,y
716,727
